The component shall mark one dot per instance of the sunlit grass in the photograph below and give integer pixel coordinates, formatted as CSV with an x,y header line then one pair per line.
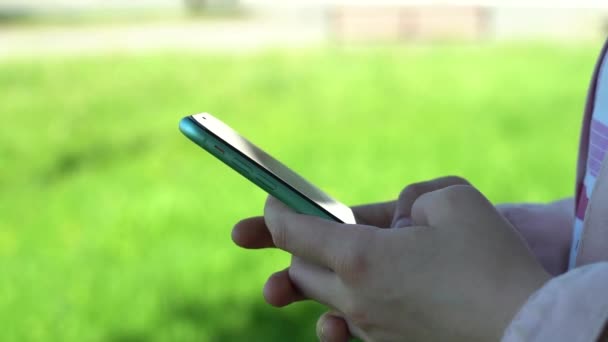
x,y
115,227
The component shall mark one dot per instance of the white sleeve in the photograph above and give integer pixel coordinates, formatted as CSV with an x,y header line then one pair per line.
x,y
572,307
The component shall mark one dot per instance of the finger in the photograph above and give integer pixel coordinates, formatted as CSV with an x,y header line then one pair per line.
x,y
280,291
323,242
332,328
457,204
377,214
409,195
252,233
466,209
317,283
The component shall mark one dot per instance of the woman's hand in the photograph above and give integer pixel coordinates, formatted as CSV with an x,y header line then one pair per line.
x,y
461,272
279,291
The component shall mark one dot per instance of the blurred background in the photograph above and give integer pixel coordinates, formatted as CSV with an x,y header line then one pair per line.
x,y
114,227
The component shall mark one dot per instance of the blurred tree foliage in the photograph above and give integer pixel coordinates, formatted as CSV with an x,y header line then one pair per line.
x,y
203,6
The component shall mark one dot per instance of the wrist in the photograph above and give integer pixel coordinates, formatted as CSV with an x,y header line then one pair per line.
x,y
519,286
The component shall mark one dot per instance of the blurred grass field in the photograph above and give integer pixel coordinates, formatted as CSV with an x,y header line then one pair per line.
x,y
114,227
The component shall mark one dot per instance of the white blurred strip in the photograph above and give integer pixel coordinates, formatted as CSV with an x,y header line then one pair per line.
x,y
489,3
230,36
121,4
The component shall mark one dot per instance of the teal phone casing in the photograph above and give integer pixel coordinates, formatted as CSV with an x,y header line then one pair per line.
x,y
251,170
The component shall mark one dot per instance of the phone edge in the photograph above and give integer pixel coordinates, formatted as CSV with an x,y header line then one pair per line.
x,y
196,133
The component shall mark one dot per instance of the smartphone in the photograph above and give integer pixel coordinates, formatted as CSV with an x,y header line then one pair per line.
x,y
262,169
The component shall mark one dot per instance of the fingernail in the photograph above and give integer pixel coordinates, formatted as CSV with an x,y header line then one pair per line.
x,y
402,222
322,337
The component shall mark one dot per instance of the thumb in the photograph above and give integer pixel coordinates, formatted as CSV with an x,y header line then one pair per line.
x,y
409,195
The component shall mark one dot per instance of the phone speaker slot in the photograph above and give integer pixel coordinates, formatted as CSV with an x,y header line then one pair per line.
x,y
266,184
241,164
219,149
240,168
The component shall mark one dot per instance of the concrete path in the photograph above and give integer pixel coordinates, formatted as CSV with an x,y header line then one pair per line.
x,y
227,35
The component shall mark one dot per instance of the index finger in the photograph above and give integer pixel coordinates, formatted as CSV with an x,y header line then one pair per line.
x,y
324,242
252,232
376,214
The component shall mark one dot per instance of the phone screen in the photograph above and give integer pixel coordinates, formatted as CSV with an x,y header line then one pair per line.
x,y
273,166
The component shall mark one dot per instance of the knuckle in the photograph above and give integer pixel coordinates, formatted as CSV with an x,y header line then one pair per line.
x,y
440,205
279,234
348,268
357,313
455,195
411,192
415,190
457,192
355,264
457,180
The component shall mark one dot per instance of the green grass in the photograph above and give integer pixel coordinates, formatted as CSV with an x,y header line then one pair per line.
x,y
114,227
